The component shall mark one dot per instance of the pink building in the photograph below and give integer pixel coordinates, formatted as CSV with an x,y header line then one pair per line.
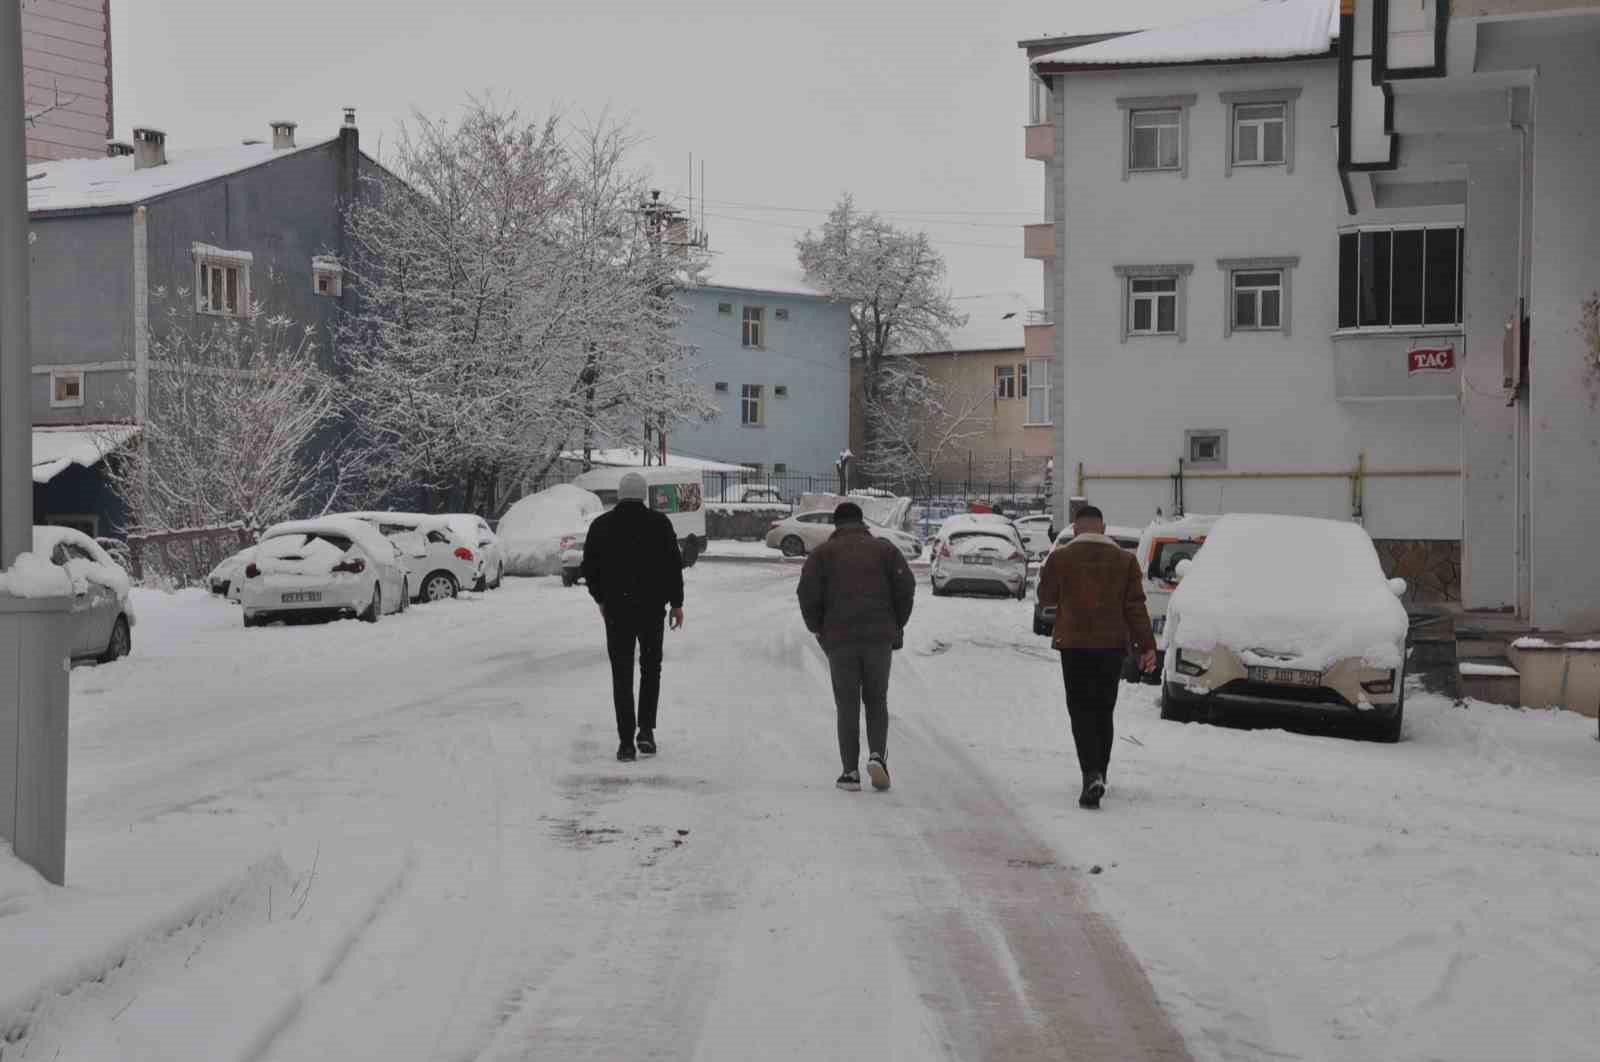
x,y
66,67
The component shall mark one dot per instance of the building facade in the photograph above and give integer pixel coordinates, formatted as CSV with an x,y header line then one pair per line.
x,y
66,74
773,357
124,244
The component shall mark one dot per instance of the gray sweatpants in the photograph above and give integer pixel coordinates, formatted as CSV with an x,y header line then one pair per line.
x,y
861,674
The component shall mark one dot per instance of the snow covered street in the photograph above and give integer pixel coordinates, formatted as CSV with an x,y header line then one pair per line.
x,y
411,840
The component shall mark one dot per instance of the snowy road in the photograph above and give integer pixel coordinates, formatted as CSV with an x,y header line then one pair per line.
x,y
411,841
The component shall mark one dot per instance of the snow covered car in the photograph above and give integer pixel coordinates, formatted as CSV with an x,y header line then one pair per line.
x,y
798,535
476,532
439,560
101,627
327,568
1036,533
532,530
1287,612
227,577
572,553
978,552
1044,616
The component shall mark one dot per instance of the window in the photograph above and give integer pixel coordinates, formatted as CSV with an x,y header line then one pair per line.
x,y
1155,140
1152,306
755,333
1038,100
221,280
781,313
1005,381
720,387
66,388
751,412
1258,300
780,391
725,309
1038,391
1400,277
1206,448
779,469
327,276
1261,127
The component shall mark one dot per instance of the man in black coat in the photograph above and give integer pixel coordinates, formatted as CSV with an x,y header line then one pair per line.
x,y
855,594
634,572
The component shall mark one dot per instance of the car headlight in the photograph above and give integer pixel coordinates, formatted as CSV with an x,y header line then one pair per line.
x,y
1193,662
1383,685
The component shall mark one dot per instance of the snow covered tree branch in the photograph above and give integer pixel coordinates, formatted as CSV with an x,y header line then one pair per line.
x,y
923,422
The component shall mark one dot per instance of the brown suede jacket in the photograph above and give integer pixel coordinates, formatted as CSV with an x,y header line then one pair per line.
x,y
1098,593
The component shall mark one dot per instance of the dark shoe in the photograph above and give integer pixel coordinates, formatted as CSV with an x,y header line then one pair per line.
x,y
626,753
1094,787
878,771
647,743
850,780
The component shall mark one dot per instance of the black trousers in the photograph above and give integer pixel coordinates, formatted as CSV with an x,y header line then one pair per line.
x,y
1092,677
625,629
860,676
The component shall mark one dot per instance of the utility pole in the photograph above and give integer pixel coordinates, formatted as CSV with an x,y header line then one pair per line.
x,y
665,228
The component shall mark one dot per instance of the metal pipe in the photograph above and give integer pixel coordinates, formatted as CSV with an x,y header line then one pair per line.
x,y
1371,473
16,416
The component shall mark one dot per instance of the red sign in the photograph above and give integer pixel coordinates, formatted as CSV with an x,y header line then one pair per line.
x,y
1430,359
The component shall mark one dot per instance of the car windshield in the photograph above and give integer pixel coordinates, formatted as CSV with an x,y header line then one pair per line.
x,y
1164,559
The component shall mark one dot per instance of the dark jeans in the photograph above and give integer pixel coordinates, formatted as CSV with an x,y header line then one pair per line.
x,y
626,628
861,674
1092,678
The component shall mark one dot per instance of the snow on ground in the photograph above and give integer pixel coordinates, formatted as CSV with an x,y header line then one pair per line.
x,y
410,840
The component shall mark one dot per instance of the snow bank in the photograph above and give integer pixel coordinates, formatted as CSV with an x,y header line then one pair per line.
x,y
531,530
32,575
1312,589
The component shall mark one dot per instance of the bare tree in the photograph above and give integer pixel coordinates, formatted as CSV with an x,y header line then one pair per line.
x,y
893,280
922,421
234,427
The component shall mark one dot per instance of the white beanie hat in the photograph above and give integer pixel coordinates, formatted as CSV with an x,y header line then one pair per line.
x,y
632,488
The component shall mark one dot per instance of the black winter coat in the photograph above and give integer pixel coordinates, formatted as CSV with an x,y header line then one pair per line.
x,y
631,559
856,590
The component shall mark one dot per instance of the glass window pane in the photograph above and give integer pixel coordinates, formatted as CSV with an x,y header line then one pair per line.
x,y
1144,149
1256,280
1244,309
1037,413
233,290
1167,313
1440,297
1407,308
1272,142
1271,305
1141,315
1169,148
1348,265
1259,111
1374,278
1248,143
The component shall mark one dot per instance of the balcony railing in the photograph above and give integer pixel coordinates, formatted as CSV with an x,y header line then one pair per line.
x,y
1039,142
1039,240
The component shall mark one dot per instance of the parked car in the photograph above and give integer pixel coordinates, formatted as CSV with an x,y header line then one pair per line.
x,y
1163,546
977,552
1038,534
798,535
937,536
572,552
227,578
678,492
439,560
1044,616
1287,612
475,530
327,568
101,626
533,530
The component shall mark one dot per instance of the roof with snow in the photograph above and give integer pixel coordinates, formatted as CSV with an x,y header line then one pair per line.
x,y
57,449
85,184
632,457
994,322
785,279
1269,29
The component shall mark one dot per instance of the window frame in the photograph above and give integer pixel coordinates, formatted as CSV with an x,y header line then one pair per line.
x,y
752,397
208,258
724,309
1421,327
1283,265
1232,101
1041,391
1005,375
1133,105
327,268
59,375
1190,436
1178,272
759,321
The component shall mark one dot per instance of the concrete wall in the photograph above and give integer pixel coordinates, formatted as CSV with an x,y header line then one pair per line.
x,y
808,354
1127,404
81,294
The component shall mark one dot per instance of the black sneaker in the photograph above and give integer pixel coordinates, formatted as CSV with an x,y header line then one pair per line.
x,y
626,753
850,780
878,771
1094,787
646,743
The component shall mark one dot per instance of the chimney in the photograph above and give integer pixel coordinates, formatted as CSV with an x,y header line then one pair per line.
x,y
282,135
350,117
149,148
116,149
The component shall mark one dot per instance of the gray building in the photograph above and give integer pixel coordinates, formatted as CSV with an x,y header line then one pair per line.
x,y
773,355
117,241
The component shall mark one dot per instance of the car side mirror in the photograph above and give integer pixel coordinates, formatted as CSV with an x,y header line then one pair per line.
x,y
1397,587
1182,568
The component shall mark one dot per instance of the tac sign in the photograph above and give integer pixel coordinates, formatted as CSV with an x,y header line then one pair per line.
x,y
1430,359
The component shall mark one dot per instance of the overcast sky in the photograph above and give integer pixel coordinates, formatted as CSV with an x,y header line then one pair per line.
x,y
915,107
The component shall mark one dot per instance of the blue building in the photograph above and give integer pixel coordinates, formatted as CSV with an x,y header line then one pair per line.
x,y
774,356
221,230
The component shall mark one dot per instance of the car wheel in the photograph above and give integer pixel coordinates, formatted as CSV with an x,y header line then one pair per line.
x,y
251,621
374,610
499,577
1387,727
438,586
793,546
938,591
1172,709
121,643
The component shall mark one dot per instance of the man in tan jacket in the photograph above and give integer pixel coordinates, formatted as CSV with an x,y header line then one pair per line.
x,y
1098,592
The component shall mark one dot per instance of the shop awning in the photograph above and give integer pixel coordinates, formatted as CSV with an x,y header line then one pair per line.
x,y
55,449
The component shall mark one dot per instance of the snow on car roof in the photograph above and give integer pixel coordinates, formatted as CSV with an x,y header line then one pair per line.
x,y
358,531
1292,584
1270,29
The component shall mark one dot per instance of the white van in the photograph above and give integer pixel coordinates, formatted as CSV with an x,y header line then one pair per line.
x,y
678,492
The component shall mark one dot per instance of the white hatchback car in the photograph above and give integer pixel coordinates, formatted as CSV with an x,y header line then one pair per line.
x,y
1036,534
977,552
798,535
328,568
439,560
476,532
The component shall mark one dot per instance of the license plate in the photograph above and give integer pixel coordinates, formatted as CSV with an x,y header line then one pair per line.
x,y
1283,676
980,560
301,597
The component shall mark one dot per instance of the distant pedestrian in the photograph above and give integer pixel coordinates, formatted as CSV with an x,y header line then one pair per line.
x,y
634,573
855,594
1098,592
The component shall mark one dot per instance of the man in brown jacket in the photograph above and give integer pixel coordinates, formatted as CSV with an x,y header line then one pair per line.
x,y
855,595
1098,592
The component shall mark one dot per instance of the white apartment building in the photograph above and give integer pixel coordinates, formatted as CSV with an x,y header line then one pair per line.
x,y
1264,294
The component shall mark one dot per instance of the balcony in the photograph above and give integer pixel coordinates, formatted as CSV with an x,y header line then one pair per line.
x,y
1038,335
1039,142
1039,240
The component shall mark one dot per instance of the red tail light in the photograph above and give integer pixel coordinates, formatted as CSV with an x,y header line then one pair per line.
x,y
251,571
463,553
775,525
944,550
355,565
